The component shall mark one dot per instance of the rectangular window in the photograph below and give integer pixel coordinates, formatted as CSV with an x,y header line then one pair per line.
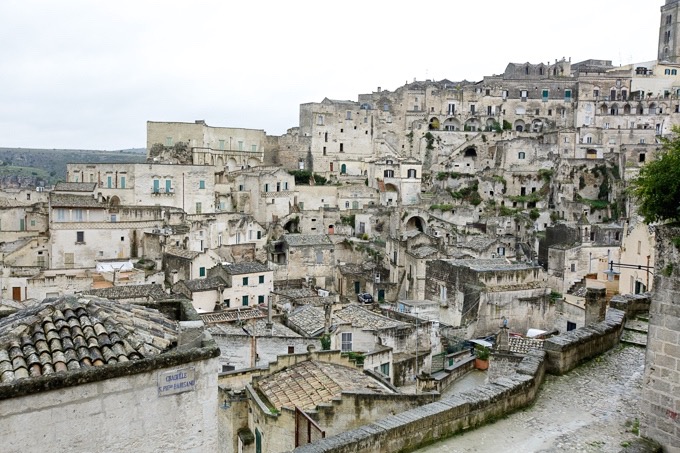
x,y
253,148
109,181
385,369
544,95
199,207
227,303
122,182
291,349
77,215
201,271
80,237
201,184
349,115
156,186
240,145
168,141
260,279
259,233
221,144
266,187
245,281
342,148
346,340
567,95
168,186
523,94
244,301
472,109
260,299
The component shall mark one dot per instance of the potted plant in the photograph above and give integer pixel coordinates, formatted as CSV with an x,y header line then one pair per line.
x,y
482,357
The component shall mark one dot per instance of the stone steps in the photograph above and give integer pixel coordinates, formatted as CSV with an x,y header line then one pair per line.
x,y
635,332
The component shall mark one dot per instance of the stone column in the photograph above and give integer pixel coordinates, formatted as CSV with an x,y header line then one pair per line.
x,y
596,305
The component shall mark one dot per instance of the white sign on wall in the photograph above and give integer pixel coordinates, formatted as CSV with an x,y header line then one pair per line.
x,y
176,381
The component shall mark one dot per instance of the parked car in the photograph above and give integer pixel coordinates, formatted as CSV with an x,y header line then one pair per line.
x,y
365,298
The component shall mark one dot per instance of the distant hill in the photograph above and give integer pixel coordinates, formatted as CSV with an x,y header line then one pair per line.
x,y
26,167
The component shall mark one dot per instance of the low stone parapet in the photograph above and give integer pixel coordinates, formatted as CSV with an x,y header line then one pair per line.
x,y
565,352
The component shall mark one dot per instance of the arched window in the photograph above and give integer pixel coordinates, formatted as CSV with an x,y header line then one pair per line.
x,y
667,72
674,72
343,169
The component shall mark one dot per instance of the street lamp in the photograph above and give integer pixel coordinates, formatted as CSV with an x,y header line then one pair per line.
x,y
610,273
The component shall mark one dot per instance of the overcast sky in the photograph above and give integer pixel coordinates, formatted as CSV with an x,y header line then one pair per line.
x,y
88,74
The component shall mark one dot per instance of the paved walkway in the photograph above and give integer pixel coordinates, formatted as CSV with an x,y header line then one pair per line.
x,y
592,409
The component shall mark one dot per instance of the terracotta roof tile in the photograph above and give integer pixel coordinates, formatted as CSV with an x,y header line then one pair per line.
x,y
70,334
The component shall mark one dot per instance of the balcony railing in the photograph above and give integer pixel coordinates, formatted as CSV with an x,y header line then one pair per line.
x,y
162,191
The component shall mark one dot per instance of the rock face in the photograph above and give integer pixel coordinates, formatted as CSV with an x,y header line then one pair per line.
x,y
179,153
661,399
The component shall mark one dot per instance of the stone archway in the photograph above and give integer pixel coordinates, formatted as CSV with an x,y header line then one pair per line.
x,y
415,223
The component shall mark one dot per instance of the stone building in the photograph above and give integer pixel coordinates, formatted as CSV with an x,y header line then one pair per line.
x,y
190,188
329,392
266,193
221,147
247,284
256,343
479,294
129,368
304,256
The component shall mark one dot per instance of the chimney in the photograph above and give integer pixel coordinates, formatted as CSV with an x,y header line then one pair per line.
x,y
327,318
270,324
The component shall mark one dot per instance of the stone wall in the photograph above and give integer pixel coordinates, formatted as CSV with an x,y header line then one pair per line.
x,y
632,304
123,413
572,348
660,402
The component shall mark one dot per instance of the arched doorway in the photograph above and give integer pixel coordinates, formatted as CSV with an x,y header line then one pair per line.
x,y
471,152
415,223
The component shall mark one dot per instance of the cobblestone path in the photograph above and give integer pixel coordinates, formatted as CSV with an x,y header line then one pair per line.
x,y
592,409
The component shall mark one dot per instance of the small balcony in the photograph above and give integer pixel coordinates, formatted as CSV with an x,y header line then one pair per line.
x,y
158,191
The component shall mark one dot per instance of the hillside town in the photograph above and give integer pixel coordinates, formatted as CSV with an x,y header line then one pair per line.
x,y
280,291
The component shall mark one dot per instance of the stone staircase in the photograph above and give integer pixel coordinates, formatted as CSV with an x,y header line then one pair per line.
x,y
635,331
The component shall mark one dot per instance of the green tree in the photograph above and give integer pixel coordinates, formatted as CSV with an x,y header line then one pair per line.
x,y
657,188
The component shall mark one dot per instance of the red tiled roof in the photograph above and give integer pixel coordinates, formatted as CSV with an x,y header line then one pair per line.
x,y
71,334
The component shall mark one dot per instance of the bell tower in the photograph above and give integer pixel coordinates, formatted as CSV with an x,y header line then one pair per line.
x,y
669,32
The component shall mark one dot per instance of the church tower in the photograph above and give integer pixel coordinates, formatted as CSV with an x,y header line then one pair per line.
x,y
669,32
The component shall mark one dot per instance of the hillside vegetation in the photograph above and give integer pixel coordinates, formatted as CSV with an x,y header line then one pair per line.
x,y
24,168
